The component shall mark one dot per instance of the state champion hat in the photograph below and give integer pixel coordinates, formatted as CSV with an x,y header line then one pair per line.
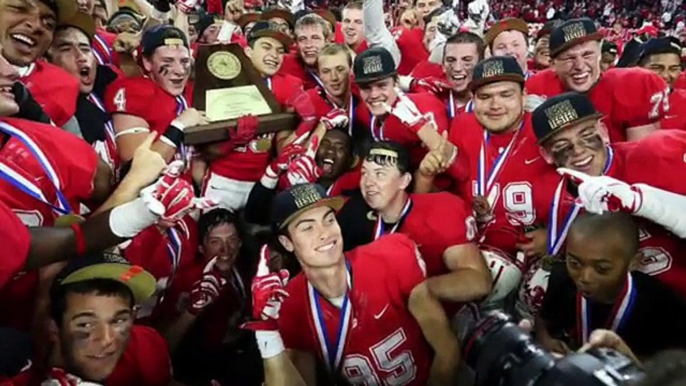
x,y
561,112
571,33
298,199
496,69
162,35
373,64
656,46
508,24
111,267
267,29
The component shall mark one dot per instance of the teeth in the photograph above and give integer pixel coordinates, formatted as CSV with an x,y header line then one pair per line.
x,y
459,77
325,247
6,89
328,161
24,39
583,162
580,76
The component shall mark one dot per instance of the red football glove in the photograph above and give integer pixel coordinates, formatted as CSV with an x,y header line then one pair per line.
x,y
246,130
268,293
303,106
431,84
304,169
206,290
186,6
335,118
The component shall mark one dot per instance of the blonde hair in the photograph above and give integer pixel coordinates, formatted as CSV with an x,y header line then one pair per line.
x,y
335,49
313,19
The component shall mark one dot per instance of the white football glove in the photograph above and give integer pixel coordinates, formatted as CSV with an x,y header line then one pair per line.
x,y
605,194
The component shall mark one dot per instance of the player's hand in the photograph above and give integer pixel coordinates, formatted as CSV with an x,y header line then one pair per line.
x,y
605,194
206,290
147,164
246,130
268,293
608,339
192,117
186,6
432,84
408,112
335,118
128,42
59,377
304,169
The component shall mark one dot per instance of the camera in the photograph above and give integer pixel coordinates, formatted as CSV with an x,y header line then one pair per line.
x,y
502,354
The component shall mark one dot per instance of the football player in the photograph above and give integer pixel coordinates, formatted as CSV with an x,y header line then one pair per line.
x,y
333,311
510,37
235,165
312,33
28,28
632,100
282,19
579,142
352,25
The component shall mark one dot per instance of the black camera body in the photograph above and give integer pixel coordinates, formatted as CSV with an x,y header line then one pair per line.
x,y
503,355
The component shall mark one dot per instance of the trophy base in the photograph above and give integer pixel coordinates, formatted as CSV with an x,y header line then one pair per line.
x,y
217,131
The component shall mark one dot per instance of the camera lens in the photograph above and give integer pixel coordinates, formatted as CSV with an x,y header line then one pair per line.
x,y
502,354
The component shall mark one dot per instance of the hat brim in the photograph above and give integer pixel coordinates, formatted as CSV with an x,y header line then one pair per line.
x,y
281,37
335,203
80,21
475,84
597,36
570,124
290,19
66,9
139,281
371,79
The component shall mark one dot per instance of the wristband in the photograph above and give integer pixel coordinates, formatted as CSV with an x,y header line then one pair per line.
x,y
269,343
128,220
79,239
173,136
270,178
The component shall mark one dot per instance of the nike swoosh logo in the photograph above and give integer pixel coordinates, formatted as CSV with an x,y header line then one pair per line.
x,y
380,314
670,116
530,161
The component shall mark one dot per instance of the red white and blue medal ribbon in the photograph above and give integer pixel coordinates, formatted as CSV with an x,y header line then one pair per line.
x,y
109,128
484,181
181,106
105,48
557,236
316,78
618,316
379,226
7,173
174,250
332,351
269,83
377,136
452,109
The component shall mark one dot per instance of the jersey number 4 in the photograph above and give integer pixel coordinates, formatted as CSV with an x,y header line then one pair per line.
x,y
360,370
120,100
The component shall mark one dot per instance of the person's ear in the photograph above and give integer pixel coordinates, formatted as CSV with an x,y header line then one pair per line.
x,y
407,180
545,155
286,243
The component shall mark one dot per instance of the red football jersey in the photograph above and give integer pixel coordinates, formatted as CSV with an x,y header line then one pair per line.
x,y
511,194
627,97
384,344
145,362
152,250
16,241
54,89
347,182
411,46
247,163
392,129
675,118
294,66
73,160
426,69
680,83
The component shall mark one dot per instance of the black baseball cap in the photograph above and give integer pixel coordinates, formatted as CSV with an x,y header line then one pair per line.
x,y
547,28
267,29
561,112
656,46
609,48
108,266
571,33
373,64
298,199
496,69
162,35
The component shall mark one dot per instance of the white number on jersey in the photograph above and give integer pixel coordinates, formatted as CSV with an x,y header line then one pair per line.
x,y
358,369
472,228
659,100
518,201
120,100
30,218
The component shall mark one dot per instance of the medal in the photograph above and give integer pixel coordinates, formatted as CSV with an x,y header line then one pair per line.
x,y
379,227
618,316
486,179
482,209
263,145
67,220
332,350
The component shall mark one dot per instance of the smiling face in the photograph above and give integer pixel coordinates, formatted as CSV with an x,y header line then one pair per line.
x,y
28,26
315,238
353,27
94,333
310,40
266,54
169,67
511,43
499,106
8,75
333,154
579,66
458,63
667,66
378,93
425,7
224,243
382,184
71,51
580,147
334,71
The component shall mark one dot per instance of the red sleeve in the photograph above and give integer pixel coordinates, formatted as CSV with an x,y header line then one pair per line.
x,y
56,91
15,243
405,264
430,103
153,358
658,161
294,312
127,96
450,220
426,69
411,48
641,98
83,168
459,171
